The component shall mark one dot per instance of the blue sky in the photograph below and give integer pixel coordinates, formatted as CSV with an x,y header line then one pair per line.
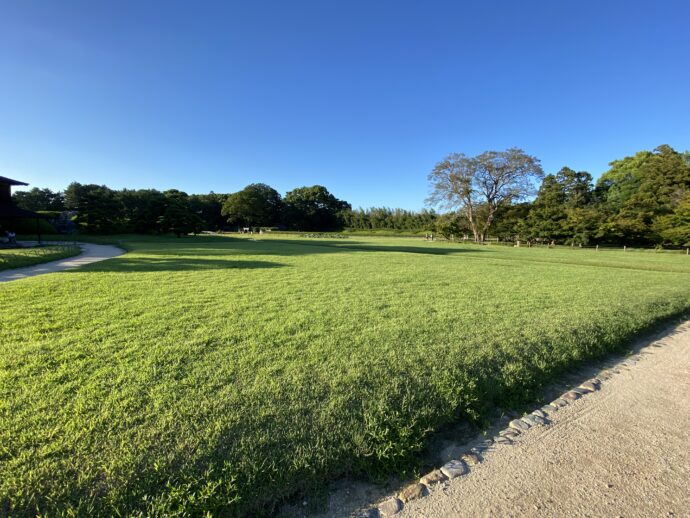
x,y
363,97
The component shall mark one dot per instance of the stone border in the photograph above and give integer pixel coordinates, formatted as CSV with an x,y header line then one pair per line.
x,y
460,467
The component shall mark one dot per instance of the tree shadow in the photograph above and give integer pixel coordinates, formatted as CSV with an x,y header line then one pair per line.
x,y
363,247
214,256
287,247
176,264
224,245
345,245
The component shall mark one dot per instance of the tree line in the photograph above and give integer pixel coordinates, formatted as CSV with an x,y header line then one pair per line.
x,y
98,209
385,218
641,200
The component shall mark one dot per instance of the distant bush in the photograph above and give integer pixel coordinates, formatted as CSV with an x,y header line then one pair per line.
x,y
325,235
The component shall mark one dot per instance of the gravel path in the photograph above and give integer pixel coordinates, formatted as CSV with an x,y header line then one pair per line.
x,y
623,450
90,254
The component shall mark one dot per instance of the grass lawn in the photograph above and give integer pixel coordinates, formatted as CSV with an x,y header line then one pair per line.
x,y
20,257
223,374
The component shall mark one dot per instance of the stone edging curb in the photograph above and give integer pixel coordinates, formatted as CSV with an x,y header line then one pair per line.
x,y
460,467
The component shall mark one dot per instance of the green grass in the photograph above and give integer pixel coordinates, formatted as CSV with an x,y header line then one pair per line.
x,y
385,232
21,257
225,374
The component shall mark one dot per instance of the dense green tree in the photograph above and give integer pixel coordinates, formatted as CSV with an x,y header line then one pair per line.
x,y
257,205
313,208
101,210
141,210
389,219
576,186
40,199
177,216
452,225
208,207
674,228
510,223
559,212
98,209
547,217
638,190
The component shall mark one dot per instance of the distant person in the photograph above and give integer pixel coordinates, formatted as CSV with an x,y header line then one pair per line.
x,y
11,237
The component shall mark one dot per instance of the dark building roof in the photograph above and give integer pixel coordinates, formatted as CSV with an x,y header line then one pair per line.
x,y
9,210
9,181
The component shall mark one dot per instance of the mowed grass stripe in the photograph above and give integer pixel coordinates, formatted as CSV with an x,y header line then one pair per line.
x,y
217,374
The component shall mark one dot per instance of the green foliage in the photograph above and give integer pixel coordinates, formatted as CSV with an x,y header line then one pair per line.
x,y
675,228
177,217
39,199
97,207
222,375
451,226
378,218
141,210
561,209
101,210
511,222
313,208
637,192
637,202
257,205
208,207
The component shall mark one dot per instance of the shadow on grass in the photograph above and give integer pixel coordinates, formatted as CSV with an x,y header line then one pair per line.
x,y
426,250
279,247
226,253
223,245
177,264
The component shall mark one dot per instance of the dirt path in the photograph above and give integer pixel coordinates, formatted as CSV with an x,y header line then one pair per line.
x,y
90,254
621,451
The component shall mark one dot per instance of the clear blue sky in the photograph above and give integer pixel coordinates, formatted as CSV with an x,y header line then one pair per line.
x,y
363,97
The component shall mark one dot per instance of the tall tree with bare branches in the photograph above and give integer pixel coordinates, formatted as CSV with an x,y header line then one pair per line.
x,y
478,186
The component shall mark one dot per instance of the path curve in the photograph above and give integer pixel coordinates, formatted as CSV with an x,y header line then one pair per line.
x,y
90,254
620,451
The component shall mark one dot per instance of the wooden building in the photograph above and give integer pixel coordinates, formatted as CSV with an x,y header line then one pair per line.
x,y
9,212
